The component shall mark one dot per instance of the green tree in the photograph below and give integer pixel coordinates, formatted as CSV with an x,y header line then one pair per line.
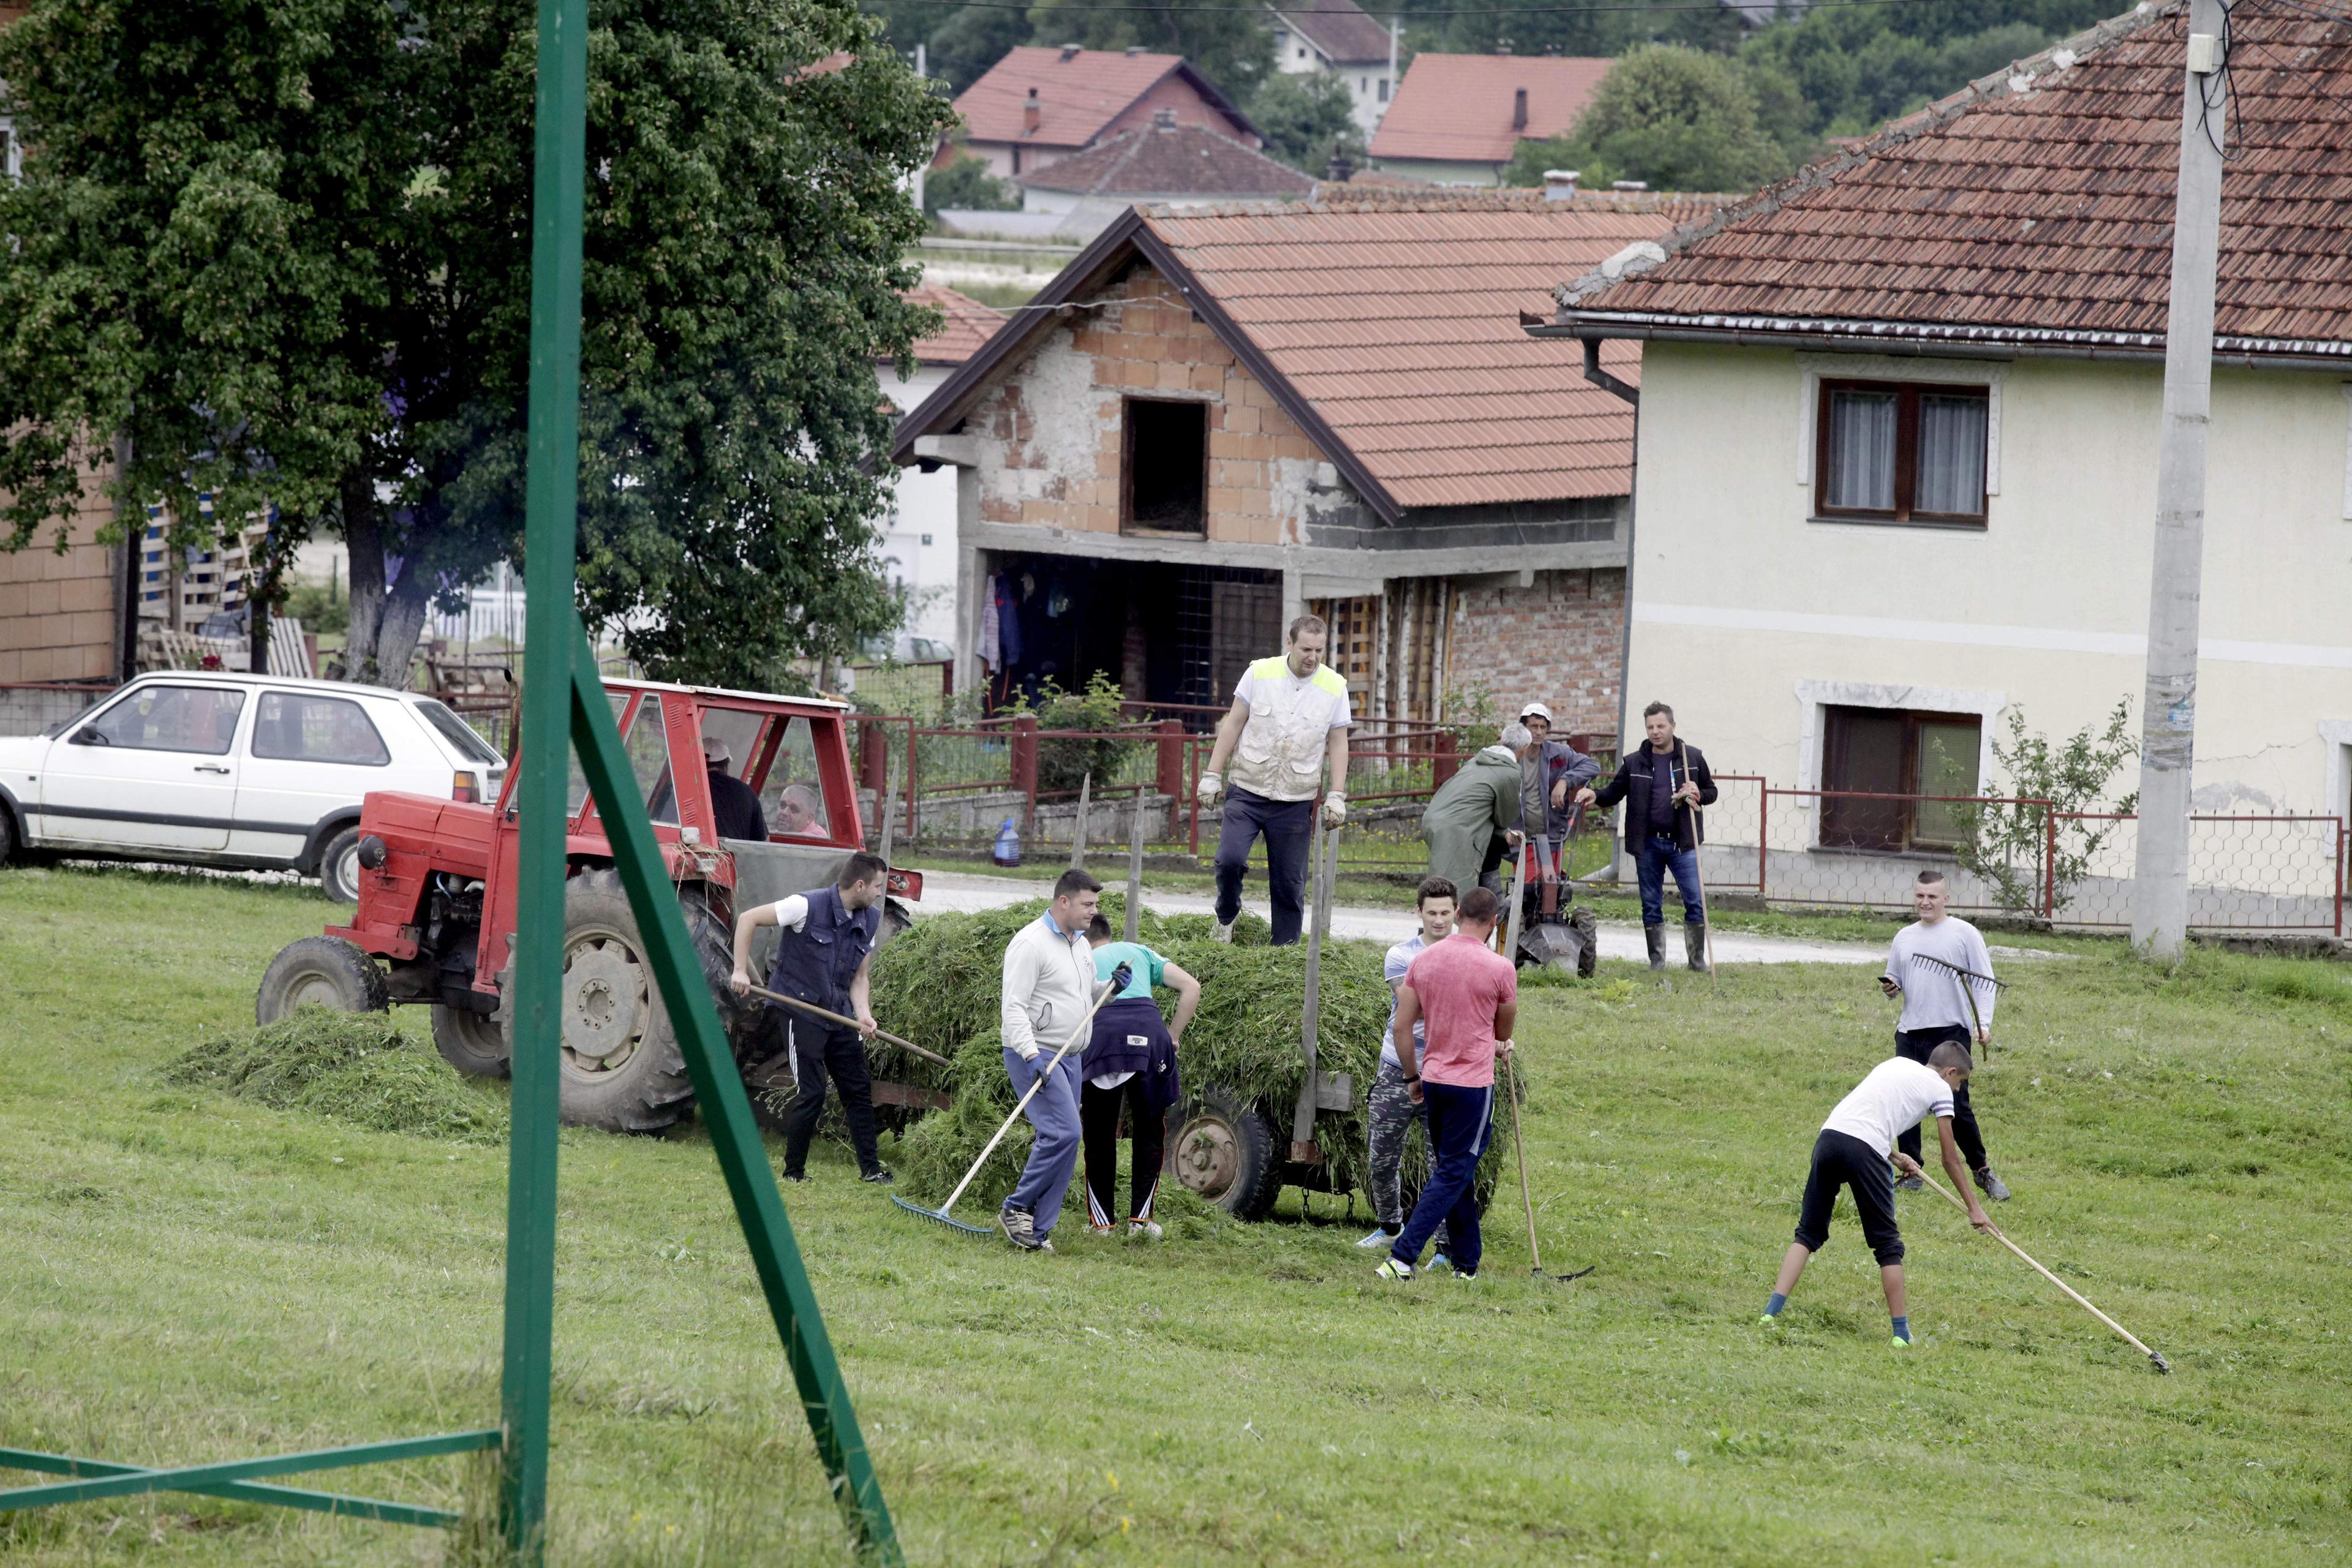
x,y
1670,116
279,249
967,184
975,37
2010,841
1304,118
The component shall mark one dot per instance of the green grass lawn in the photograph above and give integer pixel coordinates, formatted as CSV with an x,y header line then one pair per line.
x,y
195,1277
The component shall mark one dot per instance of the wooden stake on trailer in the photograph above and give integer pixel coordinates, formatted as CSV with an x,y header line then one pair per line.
x,y
1323,852
1134,872
1078,827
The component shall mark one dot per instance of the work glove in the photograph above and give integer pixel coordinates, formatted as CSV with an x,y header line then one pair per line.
x,y
1211,786
1334,809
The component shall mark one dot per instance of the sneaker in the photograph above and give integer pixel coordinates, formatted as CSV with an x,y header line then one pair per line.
x,y
1465,1274
1044,1244
1147,1229
1224,932
1020,1229
1379,1239
1992,1187
878,1174
792,1176
1440,1264
1101,1229
1391,1269
1900,1342
1769,1320
1911,1184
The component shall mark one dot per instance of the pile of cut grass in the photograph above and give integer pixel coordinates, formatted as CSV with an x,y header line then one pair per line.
x,y
354,1066
946,976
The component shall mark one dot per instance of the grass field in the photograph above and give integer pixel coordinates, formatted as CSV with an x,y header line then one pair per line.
x,y
193,1277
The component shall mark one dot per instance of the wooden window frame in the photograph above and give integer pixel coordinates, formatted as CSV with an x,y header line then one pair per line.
x,y
1906,453
1907,774
1127,524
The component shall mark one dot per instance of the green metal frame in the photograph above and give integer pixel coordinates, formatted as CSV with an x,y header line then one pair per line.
x,y
563,701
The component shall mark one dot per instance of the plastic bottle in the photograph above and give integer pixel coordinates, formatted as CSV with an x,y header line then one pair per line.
x,y
1008,843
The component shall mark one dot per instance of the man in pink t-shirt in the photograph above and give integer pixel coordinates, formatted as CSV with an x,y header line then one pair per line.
x,y
1467,995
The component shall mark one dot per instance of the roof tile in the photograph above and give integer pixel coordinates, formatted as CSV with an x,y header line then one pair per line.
x,y
1459,107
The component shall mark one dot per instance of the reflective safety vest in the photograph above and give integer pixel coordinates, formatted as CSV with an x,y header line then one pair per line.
x,y
1280,755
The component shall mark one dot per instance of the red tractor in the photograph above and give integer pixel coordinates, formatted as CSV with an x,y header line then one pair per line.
x,y
436,905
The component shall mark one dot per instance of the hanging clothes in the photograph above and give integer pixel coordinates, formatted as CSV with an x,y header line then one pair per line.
x,y
990,643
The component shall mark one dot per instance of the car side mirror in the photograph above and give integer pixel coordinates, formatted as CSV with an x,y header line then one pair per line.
x,y
87,737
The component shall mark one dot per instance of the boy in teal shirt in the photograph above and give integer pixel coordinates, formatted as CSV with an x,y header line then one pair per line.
x,y
1130,1065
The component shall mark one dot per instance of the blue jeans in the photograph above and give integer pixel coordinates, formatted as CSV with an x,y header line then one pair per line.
x,y
1652,858
1289,825
1461,1121
1054,1157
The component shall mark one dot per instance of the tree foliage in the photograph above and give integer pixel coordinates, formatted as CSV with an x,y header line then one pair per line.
x,y
2007,840
967,184
1672,116
282,248
1304,118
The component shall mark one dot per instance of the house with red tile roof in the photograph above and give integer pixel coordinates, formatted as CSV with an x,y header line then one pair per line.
x,y
1166,162
1336,38
1037,105
1899,446
1216,418
1457,119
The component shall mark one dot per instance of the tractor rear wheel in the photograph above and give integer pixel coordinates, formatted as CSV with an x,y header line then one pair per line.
x,y
321,971
622,1068
1225,1150
473,1043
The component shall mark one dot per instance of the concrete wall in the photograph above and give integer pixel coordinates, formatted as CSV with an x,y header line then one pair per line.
x,y
1441,172
1750,616
919,540
59,614
1051,430
1556,641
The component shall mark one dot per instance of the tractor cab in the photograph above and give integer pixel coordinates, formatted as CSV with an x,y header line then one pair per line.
x,y
438,896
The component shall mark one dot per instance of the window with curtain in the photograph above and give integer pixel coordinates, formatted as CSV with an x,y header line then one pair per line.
x,y
1890,777
1896,452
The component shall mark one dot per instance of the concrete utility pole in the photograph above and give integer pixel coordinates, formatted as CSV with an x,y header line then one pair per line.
x,y
2169,713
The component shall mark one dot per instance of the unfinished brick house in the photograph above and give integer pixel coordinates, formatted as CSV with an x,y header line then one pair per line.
x,y
1214,418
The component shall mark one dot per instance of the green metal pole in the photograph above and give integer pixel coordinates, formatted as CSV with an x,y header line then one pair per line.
x,y
550,524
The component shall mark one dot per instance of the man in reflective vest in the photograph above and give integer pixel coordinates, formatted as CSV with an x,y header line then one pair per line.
x,y
1288,721
823,955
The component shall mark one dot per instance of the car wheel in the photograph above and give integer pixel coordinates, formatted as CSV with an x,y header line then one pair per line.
x,y
339,867
320,971
471,1042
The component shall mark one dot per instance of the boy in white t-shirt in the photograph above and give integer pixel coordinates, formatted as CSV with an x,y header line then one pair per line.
x,y
1851,1152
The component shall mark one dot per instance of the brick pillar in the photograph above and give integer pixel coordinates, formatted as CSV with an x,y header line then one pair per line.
x,y
1442,764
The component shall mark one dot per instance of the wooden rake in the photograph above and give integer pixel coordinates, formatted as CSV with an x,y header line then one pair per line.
x,y
2157,1357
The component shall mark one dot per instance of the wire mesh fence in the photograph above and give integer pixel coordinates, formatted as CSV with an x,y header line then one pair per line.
x,y
2246,873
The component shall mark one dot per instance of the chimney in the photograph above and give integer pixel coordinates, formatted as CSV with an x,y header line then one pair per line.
x,y
1165,119
1339,171
1502,46
1070,52
1629,186
1030,114
1134,51
1560,184
1519,109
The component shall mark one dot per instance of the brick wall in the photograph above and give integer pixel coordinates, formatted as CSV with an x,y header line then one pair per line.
x,y
57,612
1557,642
1050,432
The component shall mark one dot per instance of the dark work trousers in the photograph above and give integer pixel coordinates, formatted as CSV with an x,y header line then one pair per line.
x,y
1461,1121
1147,1127
1913,1046
1841,1160
1287,825
820,1050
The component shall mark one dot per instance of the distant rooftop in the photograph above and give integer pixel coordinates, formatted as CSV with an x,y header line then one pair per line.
x,y
1079,92
1337,28
1165,159
1460,108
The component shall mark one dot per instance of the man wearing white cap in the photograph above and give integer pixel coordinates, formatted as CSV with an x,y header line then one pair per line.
x,y
1559,771
734,804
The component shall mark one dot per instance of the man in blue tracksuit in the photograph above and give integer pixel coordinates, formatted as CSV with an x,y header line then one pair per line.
x,y
825,943
1661,784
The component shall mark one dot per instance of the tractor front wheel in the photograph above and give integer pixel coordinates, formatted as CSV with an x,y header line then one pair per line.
x,y
320,971
473,1043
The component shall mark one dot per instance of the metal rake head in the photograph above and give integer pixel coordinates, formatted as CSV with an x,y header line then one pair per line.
x,y
940,1216
1963,974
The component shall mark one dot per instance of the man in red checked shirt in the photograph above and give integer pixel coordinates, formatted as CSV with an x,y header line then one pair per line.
x,y
1468,996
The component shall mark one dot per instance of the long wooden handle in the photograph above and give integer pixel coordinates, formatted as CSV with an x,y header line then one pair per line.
x,y
1101,996
833,1017
2079,1298
1526,1194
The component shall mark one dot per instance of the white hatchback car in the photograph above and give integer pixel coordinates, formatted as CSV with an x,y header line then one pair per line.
x,y
236,770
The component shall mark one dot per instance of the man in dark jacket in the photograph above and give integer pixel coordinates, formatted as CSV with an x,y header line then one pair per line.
x,y
734,804
822,957
1661,783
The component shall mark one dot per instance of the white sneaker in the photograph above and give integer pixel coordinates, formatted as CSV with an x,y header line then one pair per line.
x,y
1224,932
1379,1239
1147,1229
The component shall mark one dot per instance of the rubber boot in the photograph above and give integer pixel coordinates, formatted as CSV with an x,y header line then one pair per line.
x,y
1695,945
1655,936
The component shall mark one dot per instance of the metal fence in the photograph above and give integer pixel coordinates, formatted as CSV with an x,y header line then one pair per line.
x,y
27,708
